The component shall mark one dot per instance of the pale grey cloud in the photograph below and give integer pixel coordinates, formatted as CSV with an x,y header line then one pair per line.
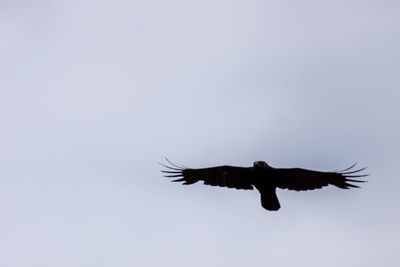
x,y
94,93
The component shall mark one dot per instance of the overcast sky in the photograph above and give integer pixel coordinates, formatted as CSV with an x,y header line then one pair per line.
x,y
93,94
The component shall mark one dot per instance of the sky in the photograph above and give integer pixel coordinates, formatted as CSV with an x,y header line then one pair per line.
x,y
94,94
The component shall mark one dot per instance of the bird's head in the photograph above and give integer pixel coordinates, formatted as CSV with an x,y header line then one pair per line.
x,y
261,164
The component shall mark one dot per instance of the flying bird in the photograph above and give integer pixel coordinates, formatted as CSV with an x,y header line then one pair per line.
x,y
264,178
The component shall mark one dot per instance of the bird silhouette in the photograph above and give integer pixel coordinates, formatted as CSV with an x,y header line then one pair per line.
x,y
264,178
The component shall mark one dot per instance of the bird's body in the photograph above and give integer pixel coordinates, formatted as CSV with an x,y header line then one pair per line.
x,y
264,178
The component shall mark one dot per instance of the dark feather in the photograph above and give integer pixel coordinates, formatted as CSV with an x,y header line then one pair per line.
x,y
303,179
224,176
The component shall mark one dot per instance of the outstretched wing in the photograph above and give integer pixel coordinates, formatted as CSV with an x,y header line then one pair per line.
x,y
224,176
303,179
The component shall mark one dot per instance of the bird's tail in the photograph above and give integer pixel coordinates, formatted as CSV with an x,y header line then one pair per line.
x,y
269,200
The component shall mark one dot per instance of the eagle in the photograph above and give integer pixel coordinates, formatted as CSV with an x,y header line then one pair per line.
x,y
265,178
